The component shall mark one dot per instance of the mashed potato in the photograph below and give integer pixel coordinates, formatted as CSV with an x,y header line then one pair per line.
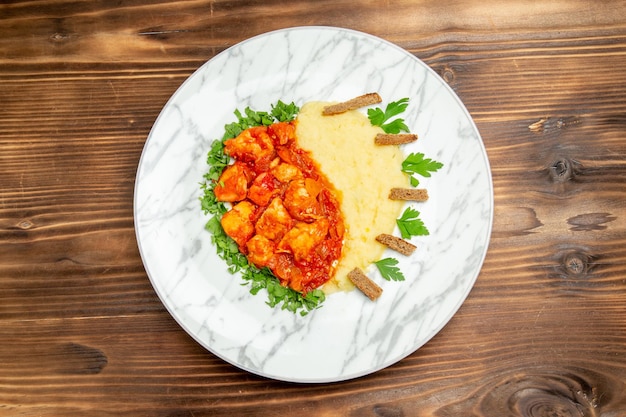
x,y
363,173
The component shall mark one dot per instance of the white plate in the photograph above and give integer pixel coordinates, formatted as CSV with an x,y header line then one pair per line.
x,y
349,336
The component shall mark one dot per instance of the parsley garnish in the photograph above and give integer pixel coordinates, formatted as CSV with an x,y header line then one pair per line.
x,y
388,269
281,112
410,224
415,163
227,249
378,117
284,112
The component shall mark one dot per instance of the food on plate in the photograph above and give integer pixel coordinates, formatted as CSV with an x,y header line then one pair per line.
x,y
389,270
352,104
386,119
285,214
301,198
383,139
396,243
365,284
410,224
343,146
408,194
417,164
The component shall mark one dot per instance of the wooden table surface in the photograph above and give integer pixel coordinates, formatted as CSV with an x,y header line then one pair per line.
x,y
543,332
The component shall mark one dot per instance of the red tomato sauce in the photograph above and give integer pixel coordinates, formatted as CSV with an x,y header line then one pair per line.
x,y
285,213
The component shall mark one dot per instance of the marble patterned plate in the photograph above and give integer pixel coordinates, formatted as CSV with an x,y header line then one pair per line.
x,y
349,336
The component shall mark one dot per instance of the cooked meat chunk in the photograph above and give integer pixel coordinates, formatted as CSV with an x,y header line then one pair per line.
x,y
282,133
286,172
238,223
300,202
233,183
275,221
263,189
289,274
252,145
260,250
303,238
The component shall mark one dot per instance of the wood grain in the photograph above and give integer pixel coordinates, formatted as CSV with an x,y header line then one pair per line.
x,y
543,332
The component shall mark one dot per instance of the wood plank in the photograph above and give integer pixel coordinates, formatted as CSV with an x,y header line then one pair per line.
x,y
543,330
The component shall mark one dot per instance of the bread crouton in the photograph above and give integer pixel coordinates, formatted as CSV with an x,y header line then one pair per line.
x,y
396,243
409,194
355,103
366,285
394,139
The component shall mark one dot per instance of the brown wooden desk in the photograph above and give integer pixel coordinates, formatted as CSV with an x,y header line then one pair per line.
x,y
543,332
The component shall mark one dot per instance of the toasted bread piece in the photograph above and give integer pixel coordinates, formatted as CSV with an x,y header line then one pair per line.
x,y
355,103
366,285
409,194
396,243
394,139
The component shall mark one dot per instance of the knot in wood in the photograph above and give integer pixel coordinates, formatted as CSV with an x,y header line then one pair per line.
x,y
25,224
544,391
536,403
448,75
59,37
576,263
387,411
563,170
575,269
558,394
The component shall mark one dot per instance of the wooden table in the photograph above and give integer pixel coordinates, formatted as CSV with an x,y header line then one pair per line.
x,y
543,332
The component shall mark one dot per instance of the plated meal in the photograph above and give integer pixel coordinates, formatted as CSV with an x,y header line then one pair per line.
x,y
294,221
295,232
